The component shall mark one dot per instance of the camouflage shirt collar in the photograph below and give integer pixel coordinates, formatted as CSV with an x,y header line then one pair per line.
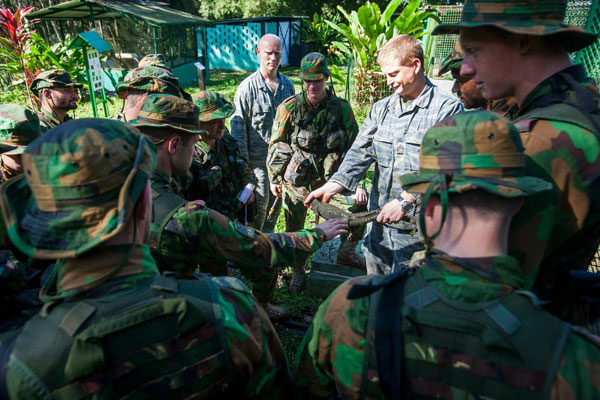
x,y
161,178
552,90
50,117
74,276
473,279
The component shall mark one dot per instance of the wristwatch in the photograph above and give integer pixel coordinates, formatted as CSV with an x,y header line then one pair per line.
x,y
407,206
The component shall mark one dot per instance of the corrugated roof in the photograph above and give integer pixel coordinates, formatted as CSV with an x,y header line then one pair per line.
x,y
149,12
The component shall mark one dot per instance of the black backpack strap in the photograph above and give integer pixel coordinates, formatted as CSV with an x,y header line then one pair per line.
x,y
164,205
5,350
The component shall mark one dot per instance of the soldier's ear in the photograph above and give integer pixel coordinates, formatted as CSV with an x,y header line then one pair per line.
x,y
173,144
47,93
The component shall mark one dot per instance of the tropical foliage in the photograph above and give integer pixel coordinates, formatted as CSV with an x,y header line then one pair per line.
x,y
367,30
319,35
23,53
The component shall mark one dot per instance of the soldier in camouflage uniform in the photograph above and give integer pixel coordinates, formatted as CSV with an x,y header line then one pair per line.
x,y
142,81
558,116
219,172
156,60
458,326
58,94
112,326
187,236
19,126
312,132
465,89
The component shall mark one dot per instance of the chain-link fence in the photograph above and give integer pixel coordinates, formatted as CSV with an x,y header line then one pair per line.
x,y
440,46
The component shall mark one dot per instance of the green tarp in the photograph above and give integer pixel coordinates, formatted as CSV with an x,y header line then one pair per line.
x,y
152,14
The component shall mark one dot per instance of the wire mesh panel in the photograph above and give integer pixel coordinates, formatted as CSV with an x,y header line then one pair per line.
x,y
443,44
590,56
233,46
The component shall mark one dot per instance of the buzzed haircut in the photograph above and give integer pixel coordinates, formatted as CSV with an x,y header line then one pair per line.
x,y
485,203
401,48
160,135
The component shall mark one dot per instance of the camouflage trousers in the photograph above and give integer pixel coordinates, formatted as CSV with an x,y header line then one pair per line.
x,y
267,206
386,249
263,280
295,216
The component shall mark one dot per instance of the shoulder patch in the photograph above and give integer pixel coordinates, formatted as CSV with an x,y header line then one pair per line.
x,y
244,230
231,283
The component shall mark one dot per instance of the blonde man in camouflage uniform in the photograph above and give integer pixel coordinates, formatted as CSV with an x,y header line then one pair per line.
x,y
113,327
311,134
187,236
58,94
219,172
521,49
19,126
457,324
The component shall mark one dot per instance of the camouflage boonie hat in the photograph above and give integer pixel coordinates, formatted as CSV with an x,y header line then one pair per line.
x,y
169,112
454,61
80,184
213,105
19,126
526,17
156,60
52,78
473,150
314,67
152,79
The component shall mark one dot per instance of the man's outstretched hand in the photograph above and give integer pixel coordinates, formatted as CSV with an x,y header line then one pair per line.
x,y
333,227
324,193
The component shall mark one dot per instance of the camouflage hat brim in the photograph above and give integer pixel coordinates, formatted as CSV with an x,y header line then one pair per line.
x,y
226,110
35,88
16,150
572,38
6,148
450,65
505,187
42,227
141,122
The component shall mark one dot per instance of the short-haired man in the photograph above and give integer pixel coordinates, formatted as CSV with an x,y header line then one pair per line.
x,y
19,126
459,325
391,137
58,95
141,82
256,100
312,132
187,235
521,49
112,326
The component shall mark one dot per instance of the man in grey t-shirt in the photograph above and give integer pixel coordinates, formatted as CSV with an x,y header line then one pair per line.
x,y
256,101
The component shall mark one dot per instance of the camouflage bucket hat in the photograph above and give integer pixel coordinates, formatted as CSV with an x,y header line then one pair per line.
x,y
473,150
166,111
213,105
81,182
19,126
454,61
156,60
314,67
53,78
527,17
151,79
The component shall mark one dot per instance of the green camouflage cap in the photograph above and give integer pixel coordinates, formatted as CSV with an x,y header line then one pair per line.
x,y
156,60
314,67
19,126
152,79
80,184
473,150
166,111
527,17
454,61
52,78
213,105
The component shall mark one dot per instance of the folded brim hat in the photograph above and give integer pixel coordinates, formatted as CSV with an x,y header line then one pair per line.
x,y
67,218
572,38
450,65
6,148
16,150
141,122
506,187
